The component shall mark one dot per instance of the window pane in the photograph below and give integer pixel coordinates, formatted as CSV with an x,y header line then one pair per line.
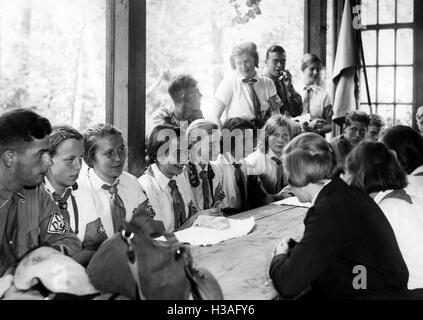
x,y
386,11
371,76
365,108
405,46
369,10
369,47
404,115
386,46
405,11
53,56
404,85
387,113
386,85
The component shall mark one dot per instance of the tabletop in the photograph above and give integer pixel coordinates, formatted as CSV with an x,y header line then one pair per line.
x,y
241,265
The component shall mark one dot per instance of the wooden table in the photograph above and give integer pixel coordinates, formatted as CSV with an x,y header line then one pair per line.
x,y
241,265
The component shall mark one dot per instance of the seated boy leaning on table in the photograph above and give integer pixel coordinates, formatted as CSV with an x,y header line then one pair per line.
x,y
348,250
170,201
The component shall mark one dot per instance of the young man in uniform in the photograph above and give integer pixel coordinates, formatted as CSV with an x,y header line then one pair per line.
x,y
28,216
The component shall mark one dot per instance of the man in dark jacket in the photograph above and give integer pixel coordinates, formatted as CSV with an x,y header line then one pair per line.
x,y
274,69
28,216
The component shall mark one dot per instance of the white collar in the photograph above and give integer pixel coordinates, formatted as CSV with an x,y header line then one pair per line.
x,y
240,77
97,182
161,179
271,154
49,187
380,195
229,158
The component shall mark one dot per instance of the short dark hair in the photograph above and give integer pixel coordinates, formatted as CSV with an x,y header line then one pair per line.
x,y
238,123
154,143
376,121
246,47
180,83
60,134
22,125
359,116
274,48
91,136
233,125
308,59
374,168
408,145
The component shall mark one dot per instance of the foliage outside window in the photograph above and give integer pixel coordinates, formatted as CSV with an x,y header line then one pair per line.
x,y
196,37
52,57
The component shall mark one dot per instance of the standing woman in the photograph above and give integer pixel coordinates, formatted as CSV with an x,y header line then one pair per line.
x,y
244,93
266,161
113,193
344,228
316,101
372,167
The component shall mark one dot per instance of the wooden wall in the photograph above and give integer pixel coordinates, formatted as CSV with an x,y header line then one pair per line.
x,y
125,83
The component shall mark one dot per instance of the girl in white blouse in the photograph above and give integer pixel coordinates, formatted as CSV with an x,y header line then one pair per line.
x,y
113,194
206,178
375,169
169,194
266,160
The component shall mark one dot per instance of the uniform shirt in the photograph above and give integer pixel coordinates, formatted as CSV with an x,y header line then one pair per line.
x,y
320,104
165,115
49,188
155,186
217,195
260,163
235,95
406,220
230,187
129,191
39,222
90,228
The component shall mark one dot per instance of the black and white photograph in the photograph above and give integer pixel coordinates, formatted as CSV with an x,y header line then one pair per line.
x,y
225,151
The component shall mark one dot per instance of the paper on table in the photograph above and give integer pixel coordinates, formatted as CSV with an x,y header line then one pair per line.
x,y
199,236
293,201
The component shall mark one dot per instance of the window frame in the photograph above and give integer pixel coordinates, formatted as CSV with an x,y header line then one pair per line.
x,y
417,65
